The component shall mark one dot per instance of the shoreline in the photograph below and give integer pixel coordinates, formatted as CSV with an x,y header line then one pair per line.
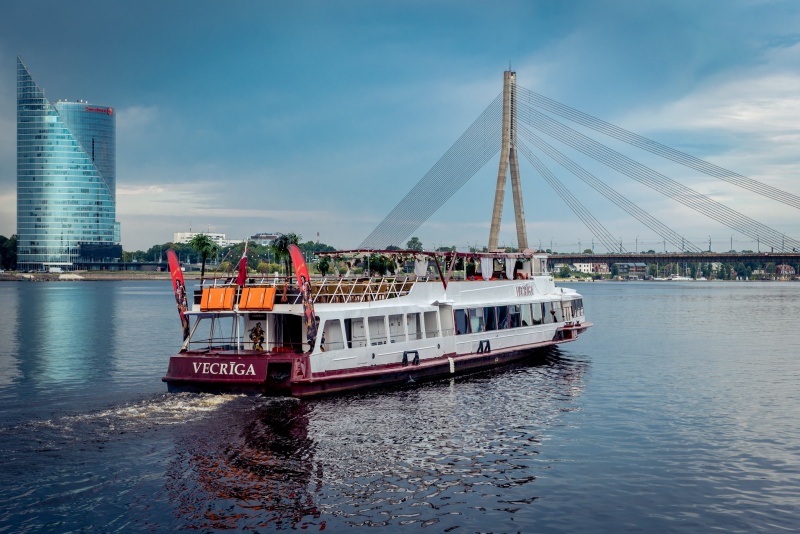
x,y
92,276
95,276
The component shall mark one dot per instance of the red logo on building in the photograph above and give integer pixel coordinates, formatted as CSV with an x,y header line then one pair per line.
x,y
100,110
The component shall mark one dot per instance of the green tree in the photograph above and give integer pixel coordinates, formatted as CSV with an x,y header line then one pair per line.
x,y
323,265
614,270
8,252
588,251
280,248
206,248
414,244
565,271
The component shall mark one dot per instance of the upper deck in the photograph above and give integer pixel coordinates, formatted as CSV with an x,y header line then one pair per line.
x,y
262,293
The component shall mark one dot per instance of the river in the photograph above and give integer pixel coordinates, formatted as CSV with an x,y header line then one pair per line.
x,y
679,410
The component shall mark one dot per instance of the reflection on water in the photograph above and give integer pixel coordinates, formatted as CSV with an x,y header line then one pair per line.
x,y
255,472
443,453
67,329
9,344
437,453
71,344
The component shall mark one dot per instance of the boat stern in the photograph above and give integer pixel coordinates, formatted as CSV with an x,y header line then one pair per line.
x,y
270,374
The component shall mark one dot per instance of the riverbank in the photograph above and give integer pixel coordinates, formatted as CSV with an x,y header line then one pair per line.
x,y
91,276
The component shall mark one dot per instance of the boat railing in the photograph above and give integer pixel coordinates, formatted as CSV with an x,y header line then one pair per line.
x,y
333,290
364,289
228,344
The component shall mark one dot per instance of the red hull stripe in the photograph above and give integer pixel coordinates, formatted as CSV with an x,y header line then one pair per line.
x,y
252,373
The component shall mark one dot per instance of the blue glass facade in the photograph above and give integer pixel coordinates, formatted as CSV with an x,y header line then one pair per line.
x,y
66,179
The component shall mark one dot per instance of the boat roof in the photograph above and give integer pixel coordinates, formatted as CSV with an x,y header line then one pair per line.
x,y
420,254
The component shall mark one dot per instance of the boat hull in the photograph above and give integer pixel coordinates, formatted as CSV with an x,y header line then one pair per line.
x,y
281,374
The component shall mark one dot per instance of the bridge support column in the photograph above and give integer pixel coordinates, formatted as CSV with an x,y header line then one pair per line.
x,y
508,159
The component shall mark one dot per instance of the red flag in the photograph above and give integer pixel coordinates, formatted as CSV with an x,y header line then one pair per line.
x,y
240,280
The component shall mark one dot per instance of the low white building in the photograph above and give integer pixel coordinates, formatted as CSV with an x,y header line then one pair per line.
x,y
185,237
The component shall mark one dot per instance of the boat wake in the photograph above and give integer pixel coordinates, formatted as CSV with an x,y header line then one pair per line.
x,y
137,416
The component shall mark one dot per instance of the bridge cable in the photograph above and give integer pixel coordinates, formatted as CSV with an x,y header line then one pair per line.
x,y
657,148
424,201
655,180
619,200
412,211
595,227
474,148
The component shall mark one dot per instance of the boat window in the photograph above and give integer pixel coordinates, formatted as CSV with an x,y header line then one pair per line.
x,y
446,318
462,322
397,332
514,314
490,318
218,331
554,312
527,320
332,336
432,324
577,307
566,308
377,330
288,331
356,335
476,320
538,312
414,325
502,317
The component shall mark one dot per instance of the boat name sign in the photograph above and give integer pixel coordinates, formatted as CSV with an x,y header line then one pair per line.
x,y
232,368
527,290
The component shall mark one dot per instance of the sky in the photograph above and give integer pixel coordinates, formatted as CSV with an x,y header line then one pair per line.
x,y
318,117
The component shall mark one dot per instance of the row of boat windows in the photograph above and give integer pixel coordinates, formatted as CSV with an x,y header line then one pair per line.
x,y
380,330
489,318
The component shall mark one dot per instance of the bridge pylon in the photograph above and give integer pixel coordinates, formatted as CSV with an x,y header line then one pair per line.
x,y
508,160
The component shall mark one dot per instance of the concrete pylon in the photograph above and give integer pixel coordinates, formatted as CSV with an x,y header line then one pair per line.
x,y
508,158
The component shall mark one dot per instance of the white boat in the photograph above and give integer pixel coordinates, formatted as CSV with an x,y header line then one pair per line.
x,y
330,334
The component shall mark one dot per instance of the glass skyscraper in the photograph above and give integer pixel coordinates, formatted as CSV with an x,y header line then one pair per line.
x,y
66,181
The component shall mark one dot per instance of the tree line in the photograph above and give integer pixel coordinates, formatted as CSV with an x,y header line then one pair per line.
x,y
8,252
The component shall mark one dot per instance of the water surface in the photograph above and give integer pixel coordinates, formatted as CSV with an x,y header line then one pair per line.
x,y
679,410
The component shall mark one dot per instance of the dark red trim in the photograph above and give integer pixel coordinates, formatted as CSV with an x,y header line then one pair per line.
x,y
288,374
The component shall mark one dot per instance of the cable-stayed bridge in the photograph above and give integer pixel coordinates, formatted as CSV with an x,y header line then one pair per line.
x,y
519,114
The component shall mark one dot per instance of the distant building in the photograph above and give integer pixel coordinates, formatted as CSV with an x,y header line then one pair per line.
x,y
583,267
264,238
600,268
627,269
784,271
66,181
185,237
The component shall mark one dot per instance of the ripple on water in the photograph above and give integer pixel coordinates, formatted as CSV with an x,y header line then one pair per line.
x,y
440,453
